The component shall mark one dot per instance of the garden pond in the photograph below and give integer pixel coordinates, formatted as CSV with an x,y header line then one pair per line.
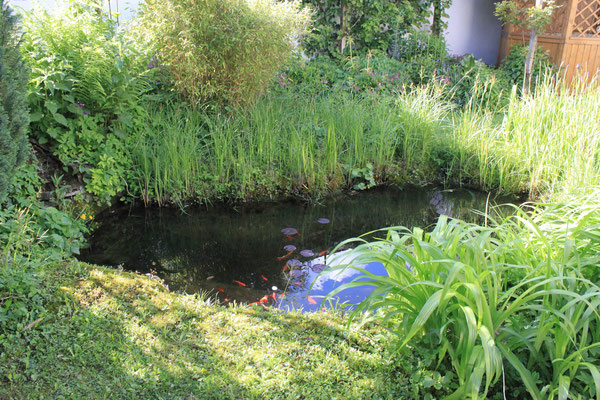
x,y
267,253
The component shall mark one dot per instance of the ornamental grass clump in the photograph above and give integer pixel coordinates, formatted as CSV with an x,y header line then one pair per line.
x,y
221,51
509,307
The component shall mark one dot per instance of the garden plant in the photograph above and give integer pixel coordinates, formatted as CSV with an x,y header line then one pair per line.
x,y
231,101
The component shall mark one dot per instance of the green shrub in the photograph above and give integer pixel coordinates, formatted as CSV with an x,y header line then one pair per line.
x,y
223,51
515,300
30,240
418,44
514,63
84,92
14,116
464,78
360,26
471,81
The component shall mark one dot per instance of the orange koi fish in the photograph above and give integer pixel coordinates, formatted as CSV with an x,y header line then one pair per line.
x,y
311,300
274,296
284,257
263,278
323,253
240,283
221,290
296,283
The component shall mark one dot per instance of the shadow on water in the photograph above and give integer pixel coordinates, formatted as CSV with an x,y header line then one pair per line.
x,y
220,250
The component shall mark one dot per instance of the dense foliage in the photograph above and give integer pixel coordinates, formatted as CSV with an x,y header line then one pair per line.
x,y
346,26
85,97
14,116
510,307
223,51
185,104
515,60
376,73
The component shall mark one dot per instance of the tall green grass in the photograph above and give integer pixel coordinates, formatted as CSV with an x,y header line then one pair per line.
x,y
286,144
167,156
548,142
509,307
293,144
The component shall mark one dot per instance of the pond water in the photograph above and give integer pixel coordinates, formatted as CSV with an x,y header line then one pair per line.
x,y
242,254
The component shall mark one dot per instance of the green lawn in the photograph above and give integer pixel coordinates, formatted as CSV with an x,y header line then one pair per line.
x,y
115,334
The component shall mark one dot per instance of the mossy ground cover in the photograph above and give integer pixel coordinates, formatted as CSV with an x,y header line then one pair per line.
x,y
112,334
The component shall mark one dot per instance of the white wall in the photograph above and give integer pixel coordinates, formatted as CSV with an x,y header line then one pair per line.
x,y
473,28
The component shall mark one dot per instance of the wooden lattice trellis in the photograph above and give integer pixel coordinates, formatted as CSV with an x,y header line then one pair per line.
x,y
587,19
572,38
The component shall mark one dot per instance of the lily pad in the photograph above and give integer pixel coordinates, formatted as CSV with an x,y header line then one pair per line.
x,y
318,268
307,253
296,273
323,221
289,247
289,231
294,263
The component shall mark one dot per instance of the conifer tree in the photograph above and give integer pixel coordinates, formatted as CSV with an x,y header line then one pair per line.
x,y
14,115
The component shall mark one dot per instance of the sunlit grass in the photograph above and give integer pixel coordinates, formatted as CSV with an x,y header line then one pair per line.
x,y
544,143
114,334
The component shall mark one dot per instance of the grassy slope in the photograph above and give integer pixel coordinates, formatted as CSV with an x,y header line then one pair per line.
x,y
114,334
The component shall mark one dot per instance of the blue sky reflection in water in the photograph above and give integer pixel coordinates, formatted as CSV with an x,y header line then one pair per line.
x,y
212,249
325,283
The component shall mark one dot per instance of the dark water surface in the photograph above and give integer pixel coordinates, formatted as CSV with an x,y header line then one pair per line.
x,y
220,249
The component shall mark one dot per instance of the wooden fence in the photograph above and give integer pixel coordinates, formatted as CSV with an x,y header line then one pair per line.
x,y
572,39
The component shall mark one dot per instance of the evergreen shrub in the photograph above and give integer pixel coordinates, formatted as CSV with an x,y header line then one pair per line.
x,y
14,115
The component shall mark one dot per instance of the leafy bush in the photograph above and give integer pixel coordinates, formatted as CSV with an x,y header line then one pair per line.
x,y
30,240
516,300
224,51
14,118
84,92
514,63
358,26
464,78
471,81
362,74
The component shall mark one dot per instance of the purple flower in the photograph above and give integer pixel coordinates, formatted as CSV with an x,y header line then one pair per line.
x,y
86,113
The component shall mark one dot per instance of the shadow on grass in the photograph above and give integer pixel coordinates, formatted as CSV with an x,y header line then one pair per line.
x,y
124,336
